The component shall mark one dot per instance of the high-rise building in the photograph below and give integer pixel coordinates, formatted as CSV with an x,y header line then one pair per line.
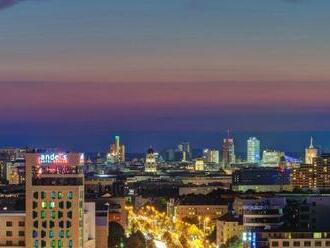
x,y
54,200
150,165
253,150
228,151
117,152
310,153
185,149
211,156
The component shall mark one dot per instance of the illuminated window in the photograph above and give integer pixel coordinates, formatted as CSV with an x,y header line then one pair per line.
x,y
70,244
53,195
61,234
36,244
60,195
69,195
44,205
53,214
53,243
52,205
68,234
317,235
51,234
43,214
60,244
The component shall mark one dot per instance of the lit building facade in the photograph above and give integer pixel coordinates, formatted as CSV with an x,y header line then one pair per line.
x,y
211,156
150,165
271,157
54,200
253,150
228,152
117,152
315,175
185,149
310,153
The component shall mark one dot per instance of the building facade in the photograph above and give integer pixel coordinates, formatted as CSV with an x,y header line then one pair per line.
x,y
253,150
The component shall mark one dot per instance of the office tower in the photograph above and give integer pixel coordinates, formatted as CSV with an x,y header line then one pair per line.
x,y
253,150
54,200
211,156
150,165
272,157
185,149
228,151
310,153
199,165
117,152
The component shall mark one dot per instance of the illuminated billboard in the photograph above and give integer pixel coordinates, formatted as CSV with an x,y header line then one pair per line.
x,y
53,158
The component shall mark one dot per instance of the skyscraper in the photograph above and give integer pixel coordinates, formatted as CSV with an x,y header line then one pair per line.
x,y
117,152
150,165
310,153
54,200
253,150
228,151
185,149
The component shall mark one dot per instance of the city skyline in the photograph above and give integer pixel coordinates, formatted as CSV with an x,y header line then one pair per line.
x,y
85,71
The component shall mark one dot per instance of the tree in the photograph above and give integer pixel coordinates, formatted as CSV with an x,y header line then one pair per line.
x,y
136,240
116,237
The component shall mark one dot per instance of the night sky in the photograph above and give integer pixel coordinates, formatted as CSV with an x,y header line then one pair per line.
x,y
75,73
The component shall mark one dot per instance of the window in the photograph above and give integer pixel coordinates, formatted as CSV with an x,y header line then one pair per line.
x,y
9,223
69,214
61,234
69,195
34,205
44,205
9,233
307,243
318,243
286,243
60,244
35,195
296,243
60,195
68,234
327,243
51,224
52,205
53,214
44,224
275,243
34,234
68,224
36,244
21,233
43,234
53,195
21,223
61,204
51,234
43,243
9,243
61,224
68,204
43,214
21,243
60,214
34,214
53,243
43,195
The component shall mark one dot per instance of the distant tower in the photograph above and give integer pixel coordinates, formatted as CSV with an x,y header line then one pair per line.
x,y
185,149
253,150
150,165
310,153
117,152
228,151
